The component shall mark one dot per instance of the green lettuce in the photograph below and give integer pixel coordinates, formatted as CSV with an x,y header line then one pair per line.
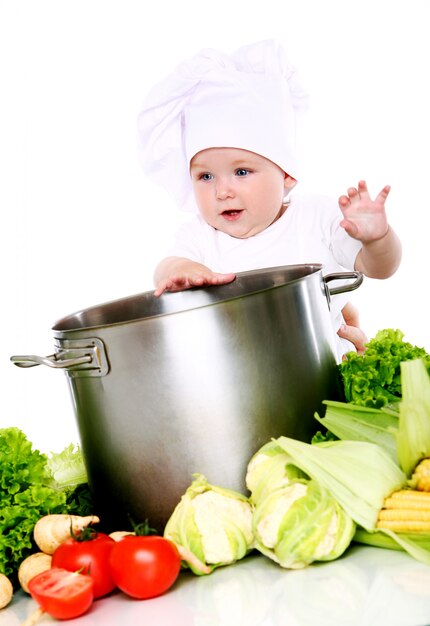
x,y
67,468
29,490
373,379
69,475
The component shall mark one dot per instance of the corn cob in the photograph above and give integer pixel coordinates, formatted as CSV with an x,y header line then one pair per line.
x,y
405,526
421,477
404,514
407,511
408,498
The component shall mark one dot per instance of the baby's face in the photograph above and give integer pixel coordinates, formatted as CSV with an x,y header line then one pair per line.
x,y
237,191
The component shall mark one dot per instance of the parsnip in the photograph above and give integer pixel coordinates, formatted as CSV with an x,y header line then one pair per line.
x,y
117,535
51,530
32,565
6,591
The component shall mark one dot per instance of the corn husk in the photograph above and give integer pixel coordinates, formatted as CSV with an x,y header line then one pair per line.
x,y
417,546
358,474
358,423
413,435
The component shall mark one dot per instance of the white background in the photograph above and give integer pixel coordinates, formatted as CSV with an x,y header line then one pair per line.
x,y
80,224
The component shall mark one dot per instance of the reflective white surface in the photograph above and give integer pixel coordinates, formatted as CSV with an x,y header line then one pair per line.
x,y
367,587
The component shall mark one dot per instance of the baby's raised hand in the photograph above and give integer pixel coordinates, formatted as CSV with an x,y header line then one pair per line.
x,y
363,218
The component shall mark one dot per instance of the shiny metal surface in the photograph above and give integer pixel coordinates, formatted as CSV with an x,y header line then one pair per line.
x,y
198,380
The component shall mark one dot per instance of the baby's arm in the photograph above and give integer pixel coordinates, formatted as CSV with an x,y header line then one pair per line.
x,y
365,219
176,273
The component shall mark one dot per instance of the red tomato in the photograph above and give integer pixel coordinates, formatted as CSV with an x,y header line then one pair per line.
x,y
88,556
144,566
61,593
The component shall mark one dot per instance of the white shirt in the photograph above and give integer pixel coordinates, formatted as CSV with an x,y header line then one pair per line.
x,y
308,232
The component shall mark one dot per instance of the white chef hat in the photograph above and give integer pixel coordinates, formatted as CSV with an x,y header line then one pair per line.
x,y
246,100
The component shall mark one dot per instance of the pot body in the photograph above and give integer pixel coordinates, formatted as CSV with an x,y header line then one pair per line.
x,y
196,382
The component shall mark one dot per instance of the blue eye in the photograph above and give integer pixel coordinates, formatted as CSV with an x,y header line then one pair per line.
x,y
242,172
206,176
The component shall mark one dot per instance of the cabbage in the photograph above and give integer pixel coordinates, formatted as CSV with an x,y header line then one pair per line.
x,y
213,523
269,468
300,523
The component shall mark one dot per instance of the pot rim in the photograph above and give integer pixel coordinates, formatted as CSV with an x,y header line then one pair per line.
x,y
130,308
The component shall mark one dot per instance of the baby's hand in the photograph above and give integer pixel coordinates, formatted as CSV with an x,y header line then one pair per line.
x,y
364,219
189,275
351,328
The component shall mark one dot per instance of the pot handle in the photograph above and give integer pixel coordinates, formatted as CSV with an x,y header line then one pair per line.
x,y
80,357
31,360
357,276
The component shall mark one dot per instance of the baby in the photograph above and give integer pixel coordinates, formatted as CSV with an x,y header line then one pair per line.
x,y
219,134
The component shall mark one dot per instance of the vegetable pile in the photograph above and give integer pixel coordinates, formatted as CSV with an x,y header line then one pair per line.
x,y
366,478
358,481
82,565
403,520
33,485
49,546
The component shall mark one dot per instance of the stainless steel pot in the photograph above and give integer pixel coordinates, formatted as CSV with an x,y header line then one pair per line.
x,y
195,381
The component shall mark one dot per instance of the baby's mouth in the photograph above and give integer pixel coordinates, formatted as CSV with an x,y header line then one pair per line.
x,y
231,214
